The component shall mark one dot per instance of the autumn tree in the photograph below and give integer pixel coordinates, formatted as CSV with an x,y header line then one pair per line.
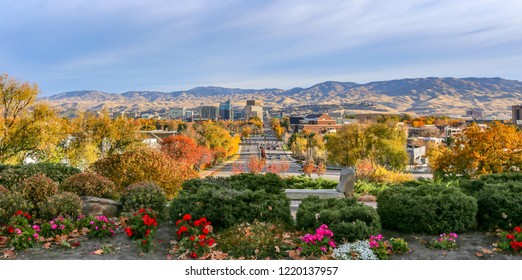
x,y
238,168
381,143
496,148
24,124
145,164
320,170
255,164
308,168
183,149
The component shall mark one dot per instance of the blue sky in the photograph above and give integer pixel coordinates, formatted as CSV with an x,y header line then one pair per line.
x,y
116,46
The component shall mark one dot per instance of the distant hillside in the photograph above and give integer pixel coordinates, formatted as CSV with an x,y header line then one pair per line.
x,y
420,96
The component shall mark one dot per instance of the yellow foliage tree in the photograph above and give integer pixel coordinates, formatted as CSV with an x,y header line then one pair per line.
x,y
496,148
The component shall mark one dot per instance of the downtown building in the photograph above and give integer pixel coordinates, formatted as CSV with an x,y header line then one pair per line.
x,y
225,111
253,108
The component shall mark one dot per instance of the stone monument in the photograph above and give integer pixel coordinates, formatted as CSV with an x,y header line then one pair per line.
x,y
347,182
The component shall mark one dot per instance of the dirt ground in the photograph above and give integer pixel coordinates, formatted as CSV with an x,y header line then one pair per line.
x,y
471,246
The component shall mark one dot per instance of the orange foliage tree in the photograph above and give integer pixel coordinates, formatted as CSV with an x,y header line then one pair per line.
x,y
182,148
494,149
321,169
238,168
255,164
308,168
145,164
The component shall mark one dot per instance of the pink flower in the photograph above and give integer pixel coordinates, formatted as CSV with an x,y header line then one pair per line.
x,y
35,236
374,244
96,228
18,231
62,227
331,243
91,222
323,249
36,228
54,226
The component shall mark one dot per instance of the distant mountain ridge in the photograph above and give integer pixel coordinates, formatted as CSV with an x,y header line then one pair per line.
x,y
419,95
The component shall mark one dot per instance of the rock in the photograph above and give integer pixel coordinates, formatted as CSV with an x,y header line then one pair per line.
x,y
367,198
95,206
347,182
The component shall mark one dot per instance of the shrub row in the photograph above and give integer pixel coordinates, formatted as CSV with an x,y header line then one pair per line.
x,y
348,219
11,175
304,182
234,200
430,209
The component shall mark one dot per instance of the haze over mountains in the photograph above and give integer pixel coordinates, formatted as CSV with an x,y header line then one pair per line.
x,y
420,96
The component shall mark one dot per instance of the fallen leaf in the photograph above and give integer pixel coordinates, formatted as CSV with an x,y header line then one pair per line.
x,y
75,244
277,249
486,251
47,245
256,251
504,215
269,208
74,234
98,252
241,258
324,258
8,254
294,254
169,257
494,244
49,239
479,254
84,231
123,221
497,250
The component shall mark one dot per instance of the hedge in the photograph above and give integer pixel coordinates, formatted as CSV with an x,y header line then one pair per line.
x,y
348,219
234,200
11,175
432,209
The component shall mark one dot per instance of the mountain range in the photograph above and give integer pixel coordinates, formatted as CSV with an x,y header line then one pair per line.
x,y
420,96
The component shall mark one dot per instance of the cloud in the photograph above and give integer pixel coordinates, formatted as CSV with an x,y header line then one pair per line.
x,y
182,43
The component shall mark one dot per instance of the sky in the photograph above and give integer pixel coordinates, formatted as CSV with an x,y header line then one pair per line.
x,y
169,45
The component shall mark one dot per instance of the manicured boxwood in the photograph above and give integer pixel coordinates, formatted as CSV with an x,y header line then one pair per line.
x,y
64,204
305,182
348,219
89,184
432,209
10,203
230,201
500,205
11,175
144,195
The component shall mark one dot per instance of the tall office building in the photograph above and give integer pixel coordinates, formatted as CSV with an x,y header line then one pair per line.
x,y
225,110
209,112
177,113
254,108
516,113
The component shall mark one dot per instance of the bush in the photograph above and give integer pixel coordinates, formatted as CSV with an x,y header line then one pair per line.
x,y
10,203
363,187
500,205
255,241
234,200
64,204
11,175
347,219
304,182
144,195
38,188
145,165
430,209
89,184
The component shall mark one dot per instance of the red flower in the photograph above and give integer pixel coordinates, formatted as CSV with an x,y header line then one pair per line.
x,y
194,255
202,243
518,229
27,215
144,242
192,238
202,237
142,210
19,212
205,231
178,221
197,223
147,232
182,229
210,242
510,236
10,229
187,217
148,221
128,231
